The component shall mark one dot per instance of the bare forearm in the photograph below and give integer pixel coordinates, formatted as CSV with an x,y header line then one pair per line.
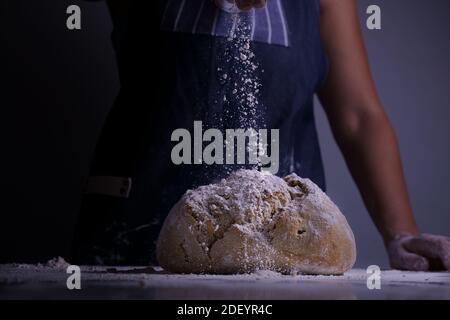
x,y
372,155
368,142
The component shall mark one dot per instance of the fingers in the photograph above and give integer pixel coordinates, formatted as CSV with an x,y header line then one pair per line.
x,y
250,4
244,4
430,246
444,245
259,3
446,262
420,253
401,259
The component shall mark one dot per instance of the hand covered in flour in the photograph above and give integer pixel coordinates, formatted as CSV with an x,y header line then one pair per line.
x,y
243,4
424,252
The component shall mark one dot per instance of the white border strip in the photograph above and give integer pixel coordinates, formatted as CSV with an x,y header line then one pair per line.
x,y
283,21
269,22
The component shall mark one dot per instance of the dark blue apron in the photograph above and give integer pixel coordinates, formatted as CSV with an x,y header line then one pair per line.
x,y
169,80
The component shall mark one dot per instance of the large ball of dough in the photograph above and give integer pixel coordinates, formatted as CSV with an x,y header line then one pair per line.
x,y
253,220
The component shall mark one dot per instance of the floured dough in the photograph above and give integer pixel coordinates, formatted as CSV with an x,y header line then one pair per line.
x,y
251,221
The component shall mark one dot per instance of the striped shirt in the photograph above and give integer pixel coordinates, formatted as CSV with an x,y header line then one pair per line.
x,y
267,25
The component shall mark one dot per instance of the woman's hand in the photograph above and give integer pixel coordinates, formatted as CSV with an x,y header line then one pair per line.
x,y
246,4
424,252
368,142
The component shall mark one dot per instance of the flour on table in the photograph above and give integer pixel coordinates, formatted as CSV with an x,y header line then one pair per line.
x,y
57,263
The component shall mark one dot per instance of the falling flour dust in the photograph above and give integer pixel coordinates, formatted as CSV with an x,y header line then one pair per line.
x,y
239,73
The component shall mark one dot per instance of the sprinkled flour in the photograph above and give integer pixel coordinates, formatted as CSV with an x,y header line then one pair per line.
x,y
57,263
238,71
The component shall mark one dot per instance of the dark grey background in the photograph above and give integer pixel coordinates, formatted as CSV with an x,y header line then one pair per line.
x,y
58,86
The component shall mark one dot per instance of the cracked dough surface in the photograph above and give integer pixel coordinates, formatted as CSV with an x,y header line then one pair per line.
x,y
251,221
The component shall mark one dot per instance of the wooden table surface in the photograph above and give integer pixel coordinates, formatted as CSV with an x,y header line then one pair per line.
x,y
19,281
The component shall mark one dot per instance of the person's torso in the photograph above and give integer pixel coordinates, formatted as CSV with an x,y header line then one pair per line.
x,y
173,67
